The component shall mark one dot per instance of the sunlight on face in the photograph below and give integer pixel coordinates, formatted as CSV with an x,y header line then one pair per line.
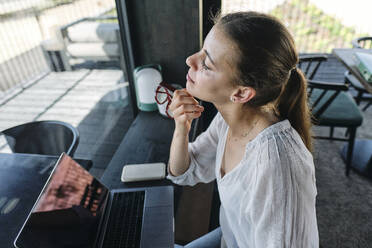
x,y
213,68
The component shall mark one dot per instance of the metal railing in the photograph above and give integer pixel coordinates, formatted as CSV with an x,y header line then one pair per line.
x,y
25,24
317,26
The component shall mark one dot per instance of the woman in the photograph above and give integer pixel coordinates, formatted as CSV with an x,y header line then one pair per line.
x,y
258,145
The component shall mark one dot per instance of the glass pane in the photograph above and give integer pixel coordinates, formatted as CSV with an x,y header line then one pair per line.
x,y
85,87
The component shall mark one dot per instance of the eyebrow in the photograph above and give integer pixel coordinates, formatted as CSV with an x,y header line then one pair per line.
x,y
209,57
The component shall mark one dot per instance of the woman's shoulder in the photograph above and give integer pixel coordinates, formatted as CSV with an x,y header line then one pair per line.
x,y
280,145
280,134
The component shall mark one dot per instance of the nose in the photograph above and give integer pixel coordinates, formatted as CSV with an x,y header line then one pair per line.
x,y
191,61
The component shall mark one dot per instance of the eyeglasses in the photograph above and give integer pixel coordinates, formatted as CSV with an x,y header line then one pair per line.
x,y
164,95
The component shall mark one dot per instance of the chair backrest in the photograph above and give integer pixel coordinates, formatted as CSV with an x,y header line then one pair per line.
x,y
362,42
321,95
310,64
43,137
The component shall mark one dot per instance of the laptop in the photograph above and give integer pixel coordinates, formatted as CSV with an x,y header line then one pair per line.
x,y
364,65
74,209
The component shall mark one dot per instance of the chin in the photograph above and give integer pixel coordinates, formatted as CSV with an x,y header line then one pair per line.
x,y
190,87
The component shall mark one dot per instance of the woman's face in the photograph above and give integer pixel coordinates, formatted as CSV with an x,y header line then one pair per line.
x,y
211,71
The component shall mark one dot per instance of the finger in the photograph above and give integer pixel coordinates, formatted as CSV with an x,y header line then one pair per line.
x,y
182,100
186,108
178,113
193,115
184,90
181,92
179,100
188,116
188,99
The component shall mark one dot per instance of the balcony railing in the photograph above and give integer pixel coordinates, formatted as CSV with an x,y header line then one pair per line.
x,y
317,26
24,24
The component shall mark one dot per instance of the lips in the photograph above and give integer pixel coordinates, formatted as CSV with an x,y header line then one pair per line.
x,y
188,78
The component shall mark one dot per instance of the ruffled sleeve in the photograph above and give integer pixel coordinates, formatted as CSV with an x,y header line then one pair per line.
x,y
202,154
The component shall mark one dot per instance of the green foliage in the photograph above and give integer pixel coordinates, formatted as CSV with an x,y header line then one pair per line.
x,y
295,3
313,30
109,21
112,12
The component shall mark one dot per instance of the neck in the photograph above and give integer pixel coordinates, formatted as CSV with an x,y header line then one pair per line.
x,y
246,122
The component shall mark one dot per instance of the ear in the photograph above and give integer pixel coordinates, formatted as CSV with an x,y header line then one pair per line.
x,y
243,94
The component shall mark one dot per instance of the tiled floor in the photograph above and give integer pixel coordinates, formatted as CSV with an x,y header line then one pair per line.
x,y
95,101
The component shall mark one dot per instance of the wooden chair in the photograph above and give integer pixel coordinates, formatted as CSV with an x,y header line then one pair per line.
x,y
331,105
362,94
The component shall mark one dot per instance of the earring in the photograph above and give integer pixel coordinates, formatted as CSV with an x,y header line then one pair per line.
x,y
232,99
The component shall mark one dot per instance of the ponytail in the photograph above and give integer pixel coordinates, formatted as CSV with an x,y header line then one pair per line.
x,y
266,54
292,105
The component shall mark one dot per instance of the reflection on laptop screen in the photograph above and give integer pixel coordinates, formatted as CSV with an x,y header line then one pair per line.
x,y
68,210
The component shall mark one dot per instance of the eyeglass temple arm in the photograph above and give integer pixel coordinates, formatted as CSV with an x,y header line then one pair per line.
x,y
164,84
195,130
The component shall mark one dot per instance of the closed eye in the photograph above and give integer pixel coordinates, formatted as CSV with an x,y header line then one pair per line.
x,y
204,66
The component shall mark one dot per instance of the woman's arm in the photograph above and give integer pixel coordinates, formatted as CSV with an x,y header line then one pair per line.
x,y
179,159
184,108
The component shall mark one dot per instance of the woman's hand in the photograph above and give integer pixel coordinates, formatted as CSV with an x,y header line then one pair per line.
x,y
184,108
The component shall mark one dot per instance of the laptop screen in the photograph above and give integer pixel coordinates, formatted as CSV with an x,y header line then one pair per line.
x,y
68,210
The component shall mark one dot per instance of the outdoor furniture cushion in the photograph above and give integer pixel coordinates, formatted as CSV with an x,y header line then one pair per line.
x,y
343,110
93,32
93,49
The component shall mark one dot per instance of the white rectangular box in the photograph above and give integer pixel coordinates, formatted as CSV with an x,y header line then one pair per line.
x,y
143,172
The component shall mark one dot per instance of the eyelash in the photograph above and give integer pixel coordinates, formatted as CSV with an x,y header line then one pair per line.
x,y
204,66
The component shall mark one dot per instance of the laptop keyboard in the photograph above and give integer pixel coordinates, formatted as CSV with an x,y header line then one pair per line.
x,y
125,221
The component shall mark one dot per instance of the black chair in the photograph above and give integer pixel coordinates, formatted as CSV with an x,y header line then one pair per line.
x,y
362,94
362,42
310,64
43,137
331,105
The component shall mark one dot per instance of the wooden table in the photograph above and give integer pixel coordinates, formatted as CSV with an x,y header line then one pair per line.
x,y
347,57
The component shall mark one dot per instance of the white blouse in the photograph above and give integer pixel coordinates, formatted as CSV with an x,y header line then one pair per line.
x,y
268,199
